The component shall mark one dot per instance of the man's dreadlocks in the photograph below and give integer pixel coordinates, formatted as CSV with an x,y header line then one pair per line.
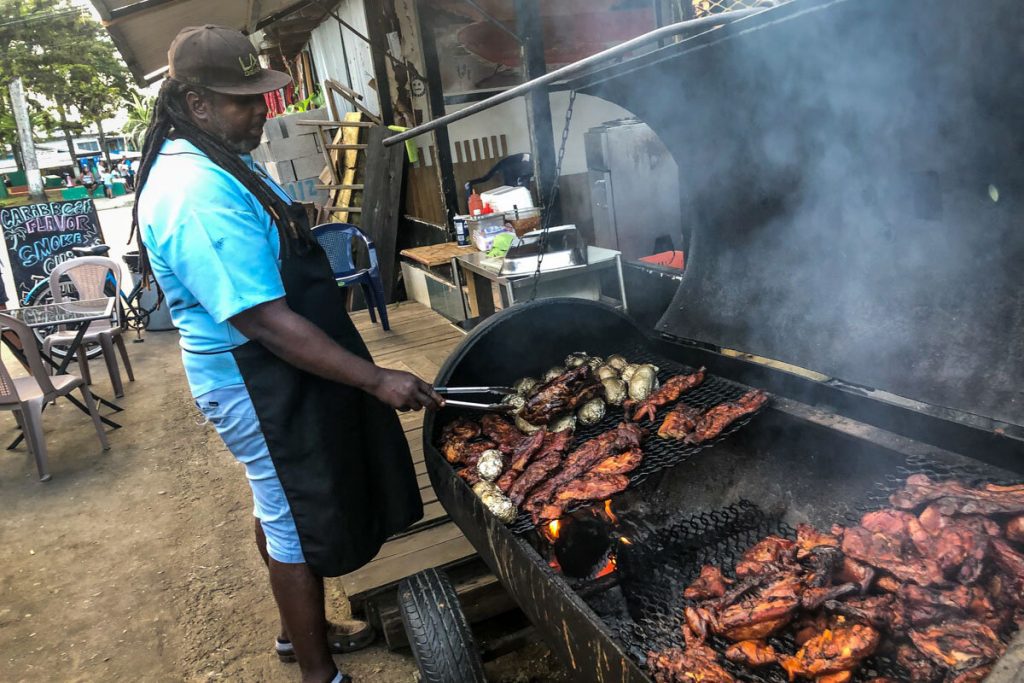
x,y
170,118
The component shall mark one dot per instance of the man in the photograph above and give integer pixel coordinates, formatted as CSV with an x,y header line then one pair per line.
x,y
271,356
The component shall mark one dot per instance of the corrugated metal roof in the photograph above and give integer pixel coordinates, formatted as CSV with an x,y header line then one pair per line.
x,y
142,30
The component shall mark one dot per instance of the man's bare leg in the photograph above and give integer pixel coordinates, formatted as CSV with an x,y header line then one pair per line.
x,y
261,544
300,599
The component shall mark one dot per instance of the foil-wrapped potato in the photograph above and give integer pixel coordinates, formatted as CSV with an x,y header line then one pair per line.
x,y
553,373
525,427
524,386
482,487
627,371
641,384
607,372
517,401
490,464
564,423
576,359
595,362
500,505
615,391
616,361
591,412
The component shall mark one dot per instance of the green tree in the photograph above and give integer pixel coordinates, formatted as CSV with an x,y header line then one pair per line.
x,y
65,58
140,110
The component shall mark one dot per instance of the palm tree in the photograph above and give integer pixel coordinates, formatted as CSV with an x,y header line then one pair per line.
x,y
140,109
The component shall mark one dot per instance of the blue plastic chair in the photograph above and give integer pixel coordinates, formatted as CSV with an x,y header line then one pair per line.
x,y
336,239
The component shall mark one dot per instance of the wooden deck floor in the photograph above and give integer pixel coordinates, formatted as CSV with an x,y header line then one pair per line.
x,y
419,341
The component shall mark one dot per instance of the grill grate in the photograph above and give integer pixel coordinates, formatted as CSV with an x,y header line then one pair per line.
x,y
660,563
659,454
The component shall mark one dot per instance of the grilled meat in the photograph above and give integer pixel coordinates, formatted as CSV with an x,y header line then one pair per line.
x,y
837,677
835,650
1011,564
893,523
808,626
952,497
622,438
679,421
591,486
715,420
670,391
535,473
958,545
976,675
958,645
887,583
695,664
765,556
752,653
852,571
502,432
621,463
873,610
919,668
522,456
812,598
561,395
887,552
808,538
710,584
923,606
1015,529
758,617
460,428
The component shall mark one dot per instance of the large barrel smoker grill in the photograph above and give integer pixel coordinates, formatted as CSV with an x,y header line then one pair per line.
x,y
852,175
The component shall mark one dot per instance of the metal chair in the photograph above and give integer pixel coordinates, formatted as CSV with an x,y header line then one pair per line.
x,y
26,396
516,169
88,275
336,239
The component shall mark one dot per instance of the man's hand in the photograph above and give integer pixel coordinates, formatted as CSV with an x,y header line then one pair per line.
x,y
405,391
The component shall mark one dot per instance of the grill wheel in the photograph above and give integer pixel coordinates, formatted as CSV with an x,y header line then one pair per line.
x,y
437,629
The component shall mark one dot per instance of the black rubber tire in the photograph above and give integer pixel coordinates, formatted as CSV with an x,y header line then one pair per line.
x,y
43,296
438,633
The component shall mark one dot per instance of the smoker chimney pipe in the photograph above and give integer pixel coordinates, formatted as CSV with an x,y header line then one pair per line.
x,y
574,69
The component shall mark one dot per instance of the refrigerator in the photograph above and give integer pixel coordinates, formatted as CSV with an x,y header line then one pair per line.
x,y
634,189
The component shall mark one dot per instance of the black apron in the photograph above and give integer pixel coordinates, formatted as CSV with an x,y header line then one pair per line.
x,y
341,454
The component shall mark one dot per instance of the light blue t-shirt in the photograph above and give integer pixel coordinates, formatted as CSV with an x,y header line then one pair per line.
x,y
215,252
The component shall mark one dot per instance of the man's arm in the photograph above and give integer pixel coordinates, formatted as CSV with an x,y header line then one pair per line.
x,y
299,342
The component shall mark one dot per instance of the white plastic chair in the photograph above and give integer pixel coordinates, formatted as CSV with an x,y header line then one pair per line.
x,y
26,396
88,274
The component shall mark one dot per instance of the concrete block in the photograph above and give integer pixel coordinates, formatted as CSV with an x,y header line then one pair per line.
x,y
308,167
294,147
287,126
281,171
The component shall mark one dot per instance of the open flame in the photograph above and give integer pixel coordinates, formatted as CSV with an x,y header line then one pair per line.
x,y
609,567
608,512
625,541
551,530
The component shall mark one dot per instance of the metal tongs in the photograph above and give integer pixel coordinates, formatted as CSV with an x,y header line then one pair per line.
x,y
497,407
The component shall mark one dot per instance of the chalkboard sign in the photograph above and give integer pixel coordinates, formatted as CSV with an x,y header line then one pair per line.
x,y
39,236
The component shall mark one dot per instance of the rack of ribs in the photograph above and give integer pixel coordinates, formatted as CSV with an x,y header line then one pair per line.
x,y
716,419
671,390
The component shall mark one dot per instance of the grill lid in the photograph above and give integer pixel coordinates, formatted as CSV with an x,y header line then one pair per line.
x,y
852,187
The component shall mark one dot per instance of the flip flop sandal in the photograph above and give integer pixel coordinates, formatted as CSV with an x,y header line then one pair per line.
x,y
340,640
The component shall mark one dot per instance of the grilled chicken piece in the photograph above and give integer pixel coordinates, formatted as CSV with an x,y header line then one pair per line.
x,y
502,432
679,421
874,610
808,538
535,473
893,523
710,584
958,645
622,463
976,675
716,419
561,395
1015,529
522,456
670,391
460,452
765,556
959,545
693,665
919,668
752,653
808,626
952,497
922,606
759,617
835,650
813,598
591,486
852,571
622,438
838,677
460,428
887,583
887,552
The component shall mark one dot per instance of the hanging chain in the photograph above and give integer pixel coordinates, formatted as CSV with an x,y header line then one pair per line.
x,y
553,197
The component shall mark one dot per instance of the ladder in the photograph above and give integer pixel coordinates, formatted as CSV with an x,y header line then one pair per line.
x,y
344,154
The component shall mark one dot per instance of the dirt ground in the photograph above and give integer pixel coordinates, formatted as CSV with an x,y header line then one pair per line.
x,y
138,563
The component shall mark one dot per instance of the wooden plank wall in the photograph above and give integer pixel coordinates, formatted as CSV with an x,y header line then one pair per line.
x,y
472,159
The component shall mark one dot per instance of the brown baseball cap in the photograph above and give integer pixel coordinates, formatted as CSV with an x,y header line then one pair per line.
x,y
222,60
